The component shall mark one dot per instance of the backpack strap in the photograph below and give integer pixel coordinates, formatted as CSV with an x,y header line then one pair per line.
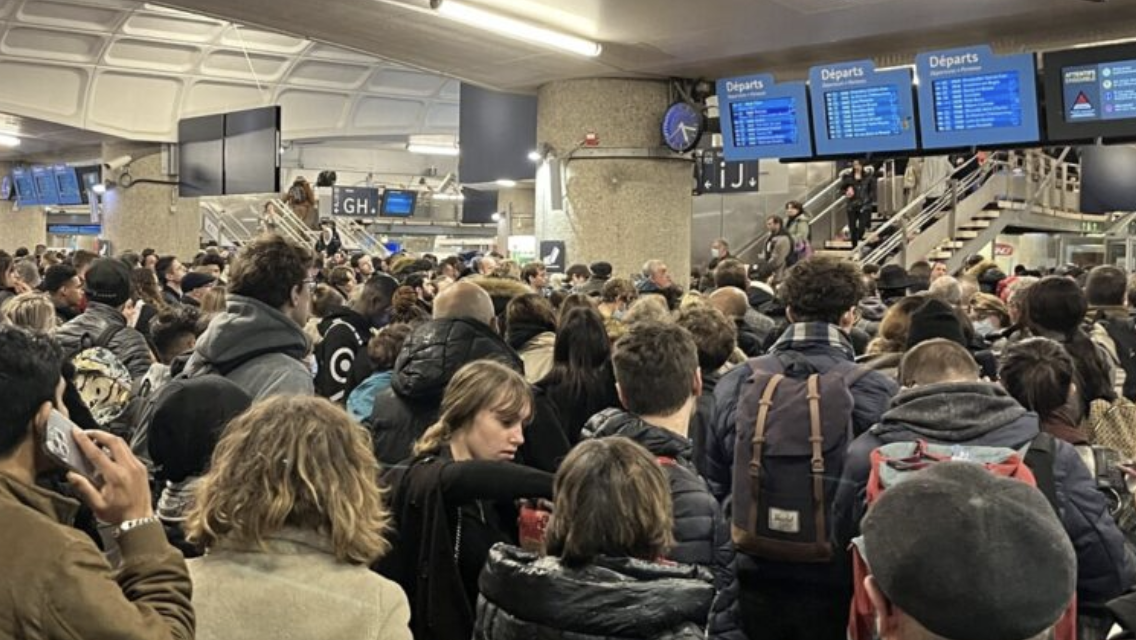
x,y
1041,457
755,471
817,442
107,335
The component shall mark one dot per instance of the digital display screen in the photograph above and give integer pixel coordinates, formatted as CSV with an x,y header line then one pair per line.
x,y
869,112
860,110
992,101
762,118
759,123
398,204
26,193
1104,91
45,185
67,185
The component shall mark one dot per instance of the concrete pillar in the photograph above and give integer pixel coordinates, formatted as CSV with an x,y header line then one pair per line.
x,y
623,201
23,227
517,207
148,215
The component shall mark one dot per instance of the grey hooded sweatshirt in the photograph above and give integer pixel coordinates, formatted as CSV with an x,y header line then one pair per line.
x,y
257,347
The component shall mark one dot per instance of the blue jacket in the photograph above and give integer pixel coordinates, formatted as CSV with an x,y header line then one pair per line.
x,y
982,414
701,533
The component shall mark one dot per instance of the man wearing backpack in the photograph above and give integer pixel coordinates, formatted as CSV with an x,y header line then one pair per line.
x,y
258,342
1110,325
784,596
658,380
104,324
945,402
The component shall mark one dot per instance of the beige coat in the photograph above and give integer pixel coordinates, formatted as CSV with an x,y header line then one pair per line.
x,y
54,583
537,356
294,589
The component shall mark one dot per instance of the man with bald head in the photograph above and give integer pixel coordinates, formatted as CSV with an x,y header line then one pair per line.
x,y
733,303
461,332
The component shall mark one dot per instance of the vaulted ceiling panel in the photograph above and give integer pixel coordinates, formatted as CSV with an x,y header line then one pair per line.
x,y
132,104
69,46
245,66
406,82
43,90
334,75
156,56
304,112
387,114
210,96
68,15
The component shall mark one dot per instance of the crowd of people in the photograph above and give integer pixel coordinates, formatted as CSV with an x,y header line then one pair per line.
x,y
286,442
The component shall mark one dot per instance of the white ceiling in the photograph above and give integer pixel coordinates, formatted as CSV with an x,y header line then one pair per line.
x,y
129,69
707,38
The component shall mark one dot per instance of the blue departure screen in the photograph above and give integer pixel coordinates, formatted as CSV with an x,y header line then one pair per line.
x,y
398,203
759,123
1104,91
763,119
26,193
971,98
868,112
858,109
67,184
45,185
988,101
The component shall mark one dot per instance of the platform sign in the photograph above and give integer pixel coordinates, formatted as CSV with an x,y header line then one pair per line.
x,y
763,119
714,174
859,110
355,201
554,256
973,98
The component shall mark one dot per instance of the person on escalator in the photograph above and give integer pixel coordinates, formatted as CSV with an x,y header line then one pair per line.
x,y
859,185
779,246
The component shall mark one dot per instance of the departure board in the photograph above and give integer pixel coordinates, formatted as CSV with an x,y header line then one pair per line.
x,y
972,98
859,110
979,102
758,123
763,119
869,112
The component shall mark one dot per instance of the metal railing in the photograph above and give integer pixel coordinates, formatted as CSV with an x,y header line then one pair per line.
x,y
285,222
222,226
828,190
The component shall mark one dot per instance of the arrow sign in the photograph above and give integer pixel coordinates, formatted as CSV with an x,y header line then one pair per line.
x,y
714,174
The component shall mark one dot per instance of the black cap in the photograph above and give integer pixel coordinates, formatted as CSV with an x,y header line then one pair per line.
x,y
601,269
935,319
892,278
108,282
194,280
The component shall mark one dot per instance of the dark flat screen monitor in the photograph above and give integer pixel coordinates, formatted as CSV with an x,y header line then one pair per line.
x,y
44,178
398,203
252,151
1091,94
201,156
67,185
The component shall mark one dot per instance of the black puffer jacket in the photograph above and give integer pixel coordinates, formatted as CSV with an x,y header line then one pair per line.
x,y
528,597
128,344
701,533
344,334
428,361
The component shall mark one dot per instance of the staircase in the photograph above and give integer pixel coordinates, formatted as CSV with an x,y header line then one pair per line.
x,y
237,225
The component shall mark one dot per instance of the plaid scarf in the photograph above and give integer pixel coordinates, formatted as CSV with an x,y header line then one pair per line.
x,y
803,336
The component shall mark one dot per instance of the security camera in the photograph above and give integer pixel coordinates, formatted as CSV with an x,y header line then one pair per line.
x,y
118,163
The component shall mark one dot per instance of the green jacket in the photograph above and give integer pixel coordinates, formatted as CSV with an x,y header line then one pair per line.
x,y
58,585
798,229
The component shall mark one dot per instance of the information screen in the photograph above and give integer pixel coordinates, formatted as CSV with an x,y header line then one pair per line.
x,y
764,119
870,112
26,193
398,203
1100,92
971,98
45,185
1090,94
759,123
67,184
861,110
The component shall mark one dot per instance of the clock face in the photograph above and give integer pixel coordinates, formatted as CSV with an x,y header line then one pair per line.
x,y
683,125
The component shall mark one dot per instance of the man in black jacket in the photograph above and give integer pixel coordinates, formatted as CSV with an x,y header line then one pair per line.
x,y
461,332
714,336
658,379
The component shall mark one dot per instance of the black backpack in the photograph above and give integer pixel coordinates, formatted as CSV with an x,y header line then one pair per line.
x,y
1123,333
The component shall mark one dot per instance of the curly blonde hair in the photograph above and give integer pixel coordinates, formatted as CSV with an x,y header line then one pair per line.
x,y
293,462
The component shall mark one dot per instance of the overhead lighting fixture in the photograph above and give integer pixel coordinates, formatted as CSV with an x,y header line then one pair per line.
x,y
8,140
433,149
496,217
508,184
516,29
1103,43
99,189
448,197
535,156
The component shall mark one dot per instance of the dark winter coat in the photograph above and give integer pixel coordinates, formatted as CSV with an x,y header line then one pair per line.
x,y
127,344
701,532
525,596
344,333
702,422
428,361
982,414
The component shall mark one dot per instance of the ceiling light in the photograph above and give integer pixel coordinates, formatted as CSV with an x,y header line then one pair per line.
x,y
99,189
8,140
508,184
496,217
517,29
449,197
535,156
1103,43
433,149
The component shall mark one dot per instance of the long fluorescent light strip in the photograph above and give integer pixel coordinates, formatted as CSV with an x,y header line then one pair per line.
x,y
517,29
433,150
7,140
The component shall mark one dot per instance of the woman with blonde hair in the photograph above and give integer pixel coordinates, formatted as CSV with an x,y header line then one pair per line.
x,y
34,311
291,516
605,576
456,497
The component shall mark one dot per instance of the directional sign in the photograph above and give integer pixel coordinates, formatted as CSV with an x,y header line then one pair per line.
x,y
714,174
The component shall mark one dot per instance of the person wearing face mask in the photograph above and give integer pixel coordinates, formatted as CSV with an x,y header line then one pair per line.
x,y
988,314
719,251
454,498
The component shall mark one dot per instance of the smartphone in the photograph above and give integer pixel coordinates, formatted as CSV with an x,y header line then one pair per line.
x,y
60,446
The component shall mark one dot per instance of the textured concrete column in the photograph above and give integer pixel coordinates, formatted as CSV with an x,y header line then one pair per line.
x,y
23,227
149,215
625,210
